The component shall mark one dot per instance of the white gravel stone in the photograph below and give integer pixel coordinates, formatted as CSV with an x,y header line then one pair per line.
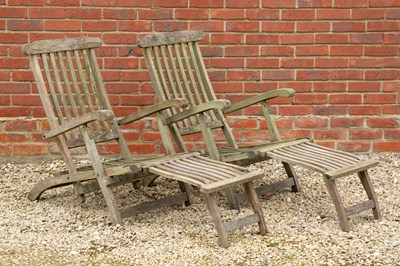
x,y
303,227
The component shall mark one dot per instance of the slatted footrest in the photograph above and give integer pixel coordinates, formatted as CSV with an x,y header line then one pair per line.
x,y
331,163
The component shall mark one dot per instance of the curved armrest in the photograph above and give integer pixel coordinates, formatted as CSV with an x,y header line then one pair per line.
x,y
217,104
178,103
259,98
102,115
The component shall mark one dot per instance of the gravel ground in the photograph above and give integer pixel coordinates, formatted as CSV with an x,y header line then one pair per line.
x,y
303,227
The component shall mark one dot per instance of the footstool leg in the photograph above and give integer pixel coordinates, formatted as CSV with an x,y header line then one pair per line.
x,y
216,216
366,182
256,205
337,201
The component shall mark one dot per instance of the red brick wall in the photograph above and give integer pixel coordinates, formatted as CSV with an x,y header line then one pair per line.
x,y
341,56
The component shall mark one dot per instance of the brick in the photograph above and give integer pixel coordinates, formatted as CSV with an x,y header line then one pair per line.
x,y
135,3
212,51
381,50
331,38
312,50
122,88
314,3
391,38
46,13
20,38
344,122
297,63
14,88
279,4
207,26
241,51
33,36
121,63
330,134
97,3
298,86
170,3
251,26
120,14
365,110
5,150
207,3
383,26
13,137
262,63
311,122
384,3
297,110
226,63
25,2
170,25
345,98
119,38
383,122
391,62
366,62
63,2
319,26
137,100
297,39
348,74
243,75
329,110
26,100
192,14
295,134
365,134
348,26
312,75
269,26
259,87
331,62
388,146
262,14
298,14
392,13
380,98
278,74
135,26
227,38
243,123
354,146
390,86
310,99
277,51
223,87
20,125
333,14
363,86
368,14
262,39
381,74
367,38
14,111
142,148
5,100
83,13
242,4
391,134
99,26
30,149
62,25
350,4
12,12
155,14
13,63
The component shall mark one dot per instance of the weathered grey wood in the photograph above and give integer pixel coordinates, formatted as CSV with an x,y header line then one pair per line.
x,y
103,115
338,203
216,216
242,222
367,184
360,207
50,46
256,206
213,187
179,102
177,69
157,39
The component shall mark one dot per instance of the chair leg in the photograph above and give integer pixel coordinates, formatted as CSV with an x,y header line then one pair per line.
x,y
337,201
292,174
256,205
188,189
232,199
367,184
216,216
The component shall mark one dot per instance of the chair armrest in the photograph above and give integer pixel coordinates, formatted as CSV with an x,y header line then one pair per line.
x,y
259,98
216,105
178,103
102,115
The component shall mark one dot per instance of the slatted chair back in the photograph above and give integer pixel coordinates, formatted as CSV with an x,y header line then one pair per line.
x,y
71,89
177,70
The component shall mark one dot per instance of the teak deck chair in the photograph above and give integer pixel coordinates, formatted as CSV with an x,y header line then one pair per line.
x,y
177,70
80,115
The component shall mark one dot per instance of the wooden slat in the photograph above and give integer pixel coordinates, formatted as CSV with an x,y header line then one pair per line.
x,y
157,39
363,206
228,183
354,168
241,222
59,45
